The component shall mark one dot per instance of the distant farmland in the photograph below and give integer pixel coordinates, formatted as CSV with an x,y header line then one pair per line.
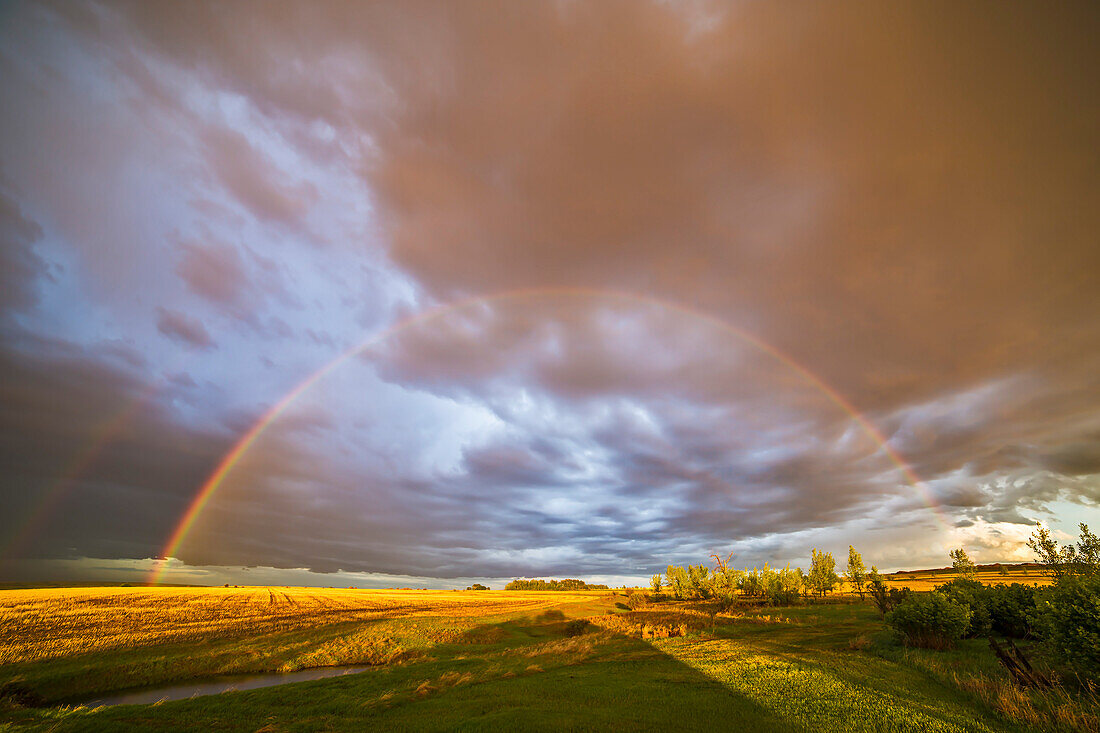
x,y
921,580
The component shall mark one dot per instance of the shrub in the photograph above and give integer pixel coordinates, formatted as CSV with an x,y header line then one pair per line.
x,y
1012,609
933,621
576,627
886,599
1007,610
1069,614
975,597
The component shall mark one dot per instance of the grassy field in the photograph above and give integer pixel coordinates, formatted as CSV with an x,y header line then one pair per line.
x,y
446,660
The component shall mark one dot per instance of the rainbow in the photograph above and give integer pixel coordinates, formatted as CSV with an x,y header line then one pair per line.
x,y
210,487
84,459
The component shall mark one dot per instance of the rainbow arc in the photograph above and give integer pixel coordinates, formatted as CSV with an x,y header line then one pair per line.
x,y
207,491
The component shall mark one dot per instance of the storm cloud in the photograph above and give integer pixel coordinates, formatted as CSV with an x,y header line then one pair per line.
x,y
600,286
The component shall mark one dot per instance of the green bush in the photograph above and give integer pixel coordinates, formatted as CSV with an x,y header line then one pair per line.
x,y
933,621
1012,609
1069,615
975,597
886,599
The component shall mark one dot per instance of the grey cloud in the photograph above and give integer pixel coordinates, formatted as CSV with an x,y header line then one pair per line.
x,y
184,329
214,272
20,266
1075,459
123,352
94,465
254,180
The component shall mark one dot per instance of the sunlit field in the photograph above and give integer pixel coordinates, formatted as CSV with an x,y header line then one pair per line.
x,y
922,580
44,624
132,637
490,660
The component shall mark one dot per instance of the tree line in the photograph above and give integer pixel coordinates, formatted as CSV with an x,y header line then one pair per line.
x,y
567,584
778,586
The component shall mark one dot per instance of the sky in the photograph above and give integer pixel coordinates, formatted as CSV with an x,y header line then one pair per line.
x,y
445,292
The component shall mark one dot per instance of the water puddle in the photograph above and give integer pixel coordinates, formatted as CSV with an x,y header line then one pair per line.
x,y
217,685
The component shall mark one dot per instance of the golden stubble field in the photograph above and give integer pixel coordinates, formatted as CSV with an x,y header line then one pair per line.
x,y
40,624
927,580
501,659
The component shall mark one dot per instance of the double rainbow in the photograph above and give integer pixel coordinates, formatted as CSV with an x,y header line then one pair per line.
x,y
210,487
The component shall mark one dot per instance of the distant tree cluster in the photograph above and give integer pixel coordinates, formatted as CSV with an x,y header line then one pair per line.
x,y
567,584
778,586
478,586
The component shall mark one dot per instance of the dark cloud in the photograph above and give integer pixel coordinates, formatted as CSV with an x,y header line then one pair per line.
x,y
94,464
183,328
1075,459
897,196
845,179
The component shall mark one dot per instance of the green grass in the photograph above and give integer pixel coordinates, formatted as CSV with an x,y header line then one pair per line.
x,y
799,670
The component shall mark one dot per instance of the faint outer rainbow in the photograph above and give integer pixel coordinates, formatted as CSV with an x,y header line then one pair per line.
x,y
207,490
101,437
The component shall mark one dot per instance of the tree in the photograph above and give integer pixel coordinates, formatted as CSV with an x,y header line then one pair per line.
x,y
886,599
1069,560
655,584
822,577
699,577
1069,611
751,583
964,566
857,572
877,588
677,580
724,579
783,586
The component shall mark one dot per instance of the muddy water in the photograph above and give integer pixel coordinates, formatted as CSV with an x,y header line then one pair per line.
x,y
218,685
